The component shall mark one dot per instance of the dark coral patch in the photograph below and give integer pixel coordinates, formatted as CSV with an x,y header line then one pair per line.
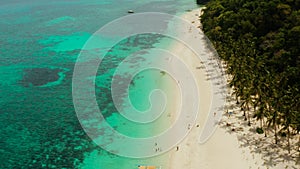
x,y
39,76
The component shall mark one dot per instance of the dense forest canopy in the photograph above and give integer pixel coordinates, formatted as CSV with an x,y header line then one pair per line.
x,y
259,40
201,2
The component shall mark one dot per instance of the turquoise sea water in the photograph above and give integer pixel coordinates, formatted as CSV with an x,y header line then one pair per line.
x,y
40,42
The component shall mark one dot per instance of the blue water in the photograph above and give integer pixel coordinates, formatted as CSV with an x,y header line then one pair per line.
x,y
40,41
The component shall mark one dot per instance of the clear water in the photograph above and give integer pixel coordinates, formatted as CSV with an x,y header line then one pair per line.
x,y
40,41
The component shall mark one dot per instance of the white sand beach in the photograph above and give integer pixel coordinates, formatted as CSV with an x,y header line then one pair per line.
x,y
225,149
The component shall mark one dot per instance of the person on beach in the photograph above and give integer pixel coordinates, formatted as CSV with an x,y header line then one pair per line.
x,y
229,113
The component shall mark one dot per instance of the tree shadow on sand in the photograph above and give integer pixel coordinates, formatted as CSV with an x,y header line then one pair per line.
x,y
272,154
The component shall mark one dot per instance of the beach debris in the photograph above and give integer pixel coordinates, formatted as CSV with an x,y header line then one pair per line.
x,y
177,148
228,124
130,11
163,72
148,167
197,125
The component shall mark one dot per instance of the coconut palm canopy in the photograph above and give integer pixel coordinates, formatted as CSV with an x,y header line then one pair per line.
x,y
260,42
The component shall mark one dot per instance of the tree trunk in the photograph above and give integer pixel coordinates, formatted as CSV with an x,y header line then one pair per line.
x,y
265,127
249,120
299,145
289,144
275,128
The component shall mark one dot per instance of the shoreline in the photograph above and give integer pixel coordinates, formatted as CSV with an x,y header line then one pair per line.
x,y
212,154
225,148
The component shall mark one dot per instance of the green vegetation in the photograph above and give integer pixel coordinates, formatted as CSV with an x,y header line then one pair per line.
x,y
201,2
259,41
259,130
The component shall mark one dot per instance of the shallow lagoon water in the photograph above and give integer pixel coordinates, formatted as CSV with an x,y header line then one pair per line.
x,y
40,42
